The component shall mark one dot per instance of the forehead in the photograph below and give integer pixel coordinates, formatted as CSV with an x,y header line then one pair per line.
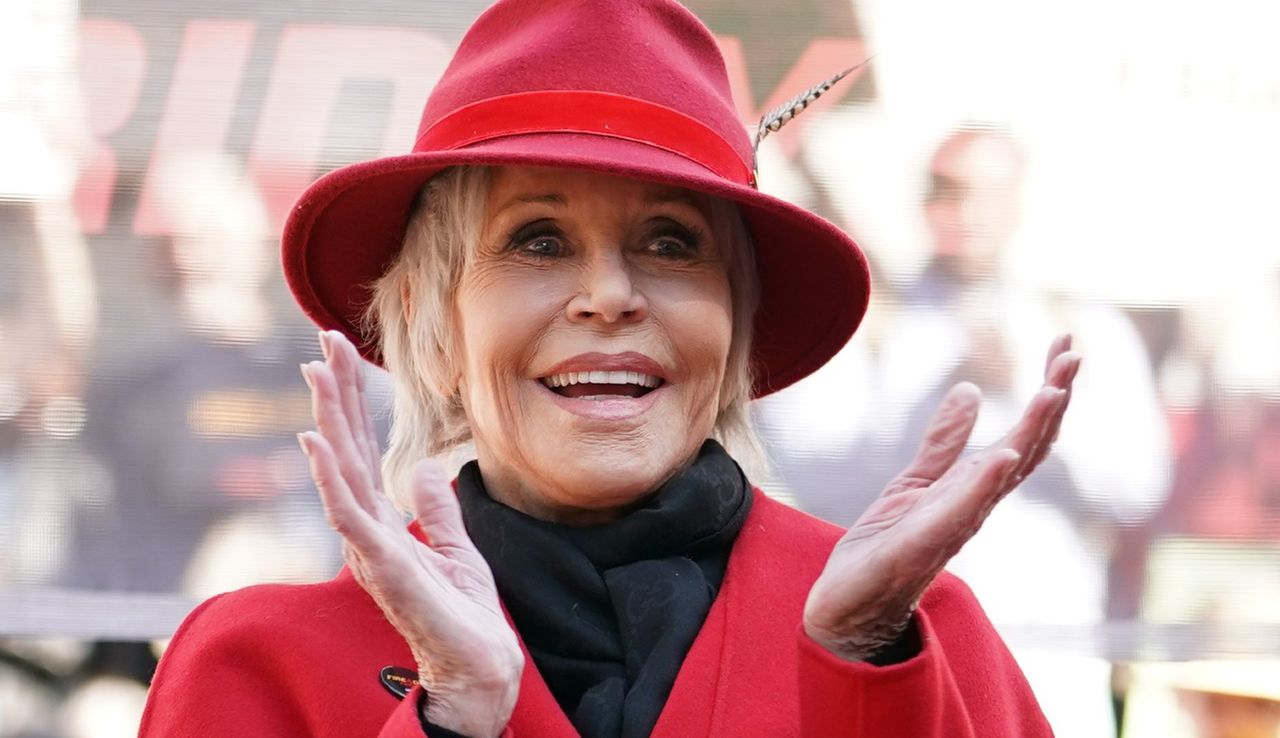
x,y
510,184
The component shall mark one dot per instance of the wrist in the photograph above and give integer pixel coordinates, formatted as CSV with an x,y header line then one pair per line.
x,y
904,648
478,709
881,643
434,730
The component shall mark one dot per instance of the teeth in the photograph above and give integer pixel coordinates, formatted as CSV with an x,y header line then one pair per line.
x,y
568,378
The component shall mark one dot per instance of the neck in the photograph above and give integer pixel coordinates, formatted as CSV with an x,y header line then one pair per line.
x,y
542,504
596,500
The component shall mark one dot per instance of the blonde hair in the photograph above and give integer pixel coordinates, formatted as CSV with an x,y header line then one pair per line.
x,y
417,341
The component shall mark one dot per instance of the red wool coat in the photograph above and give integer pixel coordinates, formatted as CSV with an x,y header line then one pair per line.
x,y
304,660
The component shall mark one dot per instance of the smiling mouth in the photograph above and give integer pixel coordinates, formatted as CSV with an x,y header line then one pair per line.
x,y
601,385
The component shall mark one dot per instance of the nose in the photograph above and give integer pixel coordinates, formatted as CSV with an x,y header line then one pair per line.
x,y
608,292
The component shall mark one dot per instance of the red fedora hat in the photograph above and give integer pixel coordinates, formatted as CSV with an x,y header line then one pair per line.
x,y
634,88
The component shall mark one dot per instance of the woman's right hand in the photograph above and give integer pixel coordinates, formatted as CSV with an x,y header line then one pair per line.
x,y
441,596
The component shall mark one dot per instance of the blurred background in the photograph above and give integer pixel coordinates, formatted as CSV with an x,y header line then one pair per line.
x,y
1013,169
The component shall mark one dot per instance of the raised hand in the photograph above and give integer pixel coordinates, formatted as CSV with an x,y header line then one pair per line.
x,y
864,598
441,596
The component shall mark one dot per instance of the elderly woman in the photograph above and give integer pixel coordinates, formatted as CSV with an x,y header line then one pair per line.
x,y
589,290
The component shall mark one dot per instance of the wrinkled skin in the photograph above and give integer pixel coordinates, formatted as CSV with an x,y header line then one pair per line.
x,y
442,598
878,571
572,263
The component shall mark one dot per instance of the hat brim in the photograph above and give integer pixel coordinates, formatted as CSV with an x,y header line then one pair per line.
x,y
348,227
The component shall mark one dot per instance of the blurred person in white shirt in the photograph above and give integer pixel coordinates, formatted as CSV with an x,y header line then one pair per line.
x,y
960,319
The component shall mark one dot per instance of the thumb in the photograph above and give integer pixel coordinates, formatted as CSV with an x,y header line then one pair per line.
x,y
435,506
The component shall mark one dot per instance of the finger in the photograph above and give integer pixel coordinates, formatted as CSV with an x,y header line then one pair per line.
x,y
1059,345
348,394
1062,378
371,430
359,530
980,489
1061,372
945,439
331,421
345,364
1030,431
436,508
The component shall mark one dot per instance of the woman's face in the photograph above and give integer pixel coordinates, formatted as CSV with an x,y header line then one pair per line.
x,y
594,326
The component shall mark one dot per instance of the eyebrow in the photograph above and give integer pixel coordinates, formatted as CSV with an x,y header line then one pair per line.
x,y
661,196
550,198
668,195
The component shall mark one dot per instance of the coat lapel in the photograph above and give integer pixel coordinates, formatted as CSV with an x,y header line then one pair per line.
x,y
740,676
687,712
775,560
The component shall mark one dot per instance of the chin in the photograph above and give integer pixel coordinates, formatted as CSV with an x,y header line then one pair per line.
x,y
586,461
600,475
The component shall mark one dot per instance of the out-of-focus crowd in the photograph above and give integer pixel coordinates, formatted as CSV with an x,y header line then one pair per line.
x,y
1167,461
149,397
171,470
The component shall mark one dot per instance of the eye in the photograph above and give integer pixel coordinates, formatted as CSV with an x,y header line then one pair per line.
x,y
543,246
541,239
671,240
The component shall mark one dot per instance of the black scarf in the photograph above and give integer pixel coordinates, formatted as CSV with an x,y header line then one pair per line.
x,y
608,612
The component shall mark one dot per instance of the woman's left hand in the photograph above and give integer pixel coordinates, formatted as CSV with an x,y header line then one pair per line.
x,y
866,594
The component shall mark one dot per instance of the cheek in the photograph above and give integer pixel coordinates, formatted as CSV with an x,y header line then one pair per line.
x,y
503,312
501,319
698,317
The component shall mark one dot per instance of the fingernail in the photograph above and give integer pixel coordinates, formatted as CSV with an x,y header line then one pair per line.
x,y
306,375
305,442
324,344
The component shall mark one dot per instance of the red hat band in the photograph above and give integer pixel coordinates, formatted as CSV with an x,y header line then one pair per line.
x,y
592,113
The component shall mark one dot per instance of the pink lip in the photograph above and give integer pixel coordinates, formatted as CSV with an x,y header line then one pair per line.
x,y
620,408
629,361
